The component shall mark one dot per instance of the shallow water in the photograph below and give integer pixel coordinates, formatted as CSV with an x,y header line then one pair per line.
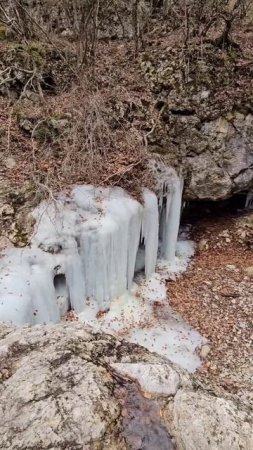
x,y
141,424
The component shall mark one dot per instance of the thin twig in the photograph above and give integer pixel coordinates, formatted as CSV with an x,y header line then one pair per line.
x,y
122,172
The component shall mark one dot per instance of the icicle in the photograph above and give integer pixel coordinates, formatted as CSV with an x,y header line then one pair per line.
x,y
150,228
173,212
73,269
249,201
169,188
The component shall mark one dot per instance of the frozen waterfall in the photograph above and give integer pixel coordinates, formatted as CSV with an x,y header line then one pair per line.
x,y
87,247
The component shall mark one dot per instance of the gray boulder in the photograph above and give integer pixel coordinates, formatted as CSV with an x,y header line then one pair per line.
x,y
69,387
225,166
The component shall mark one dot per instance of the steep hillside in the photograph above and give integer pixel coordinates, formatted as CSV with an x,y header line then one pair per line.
x,y
90,92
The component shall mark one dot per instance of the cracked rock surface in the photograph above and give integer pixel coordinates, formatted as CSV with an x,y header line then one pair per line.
x,y
226,165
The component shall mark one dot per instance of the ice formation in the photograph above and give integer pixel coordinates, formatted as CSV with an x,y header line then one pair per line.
x,y
88,250
88,245
85,246
249,201
143,315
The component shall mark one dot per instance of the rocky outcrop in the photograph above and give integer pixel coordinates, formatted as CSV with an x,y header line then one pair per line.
x,y
223,161
203,422
216,156
205,112
68,387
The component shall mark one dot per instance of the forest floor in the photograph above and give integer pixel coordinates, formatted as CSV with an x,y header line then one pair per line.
x,y
216,295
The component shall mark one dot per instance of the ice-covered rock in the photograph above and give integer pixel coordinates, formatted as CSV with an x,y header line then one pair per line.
x,y
86,248
95,252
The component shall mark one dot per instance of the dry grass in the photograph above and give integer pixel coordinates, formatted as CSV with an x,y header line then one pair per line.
x,y
73,138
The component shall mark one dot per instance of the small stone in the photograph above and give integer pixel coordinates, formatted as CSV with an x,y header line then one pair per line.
x,y
243,235
10,163
204,94
159,379
249,271
59,124
231,267
27,125
6,210
205,350
222,126
203,245
67,33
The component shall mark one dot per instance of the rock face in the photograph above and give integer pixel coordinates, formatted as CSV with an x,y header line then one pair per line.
x,y
63,401
205,121
67,387
216,156
225,165
202,422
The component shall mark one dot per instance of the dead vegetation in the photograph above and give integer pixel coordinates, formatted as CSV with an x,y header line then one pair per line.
x,y
78,105
215,297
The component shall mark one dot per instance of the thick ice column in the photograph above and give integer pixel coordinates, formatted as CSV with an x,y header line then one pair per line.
x,y
169,188
150,231
170,212
108,244
26,288
74,272
172,220
103,273
133,240
44,302
126,212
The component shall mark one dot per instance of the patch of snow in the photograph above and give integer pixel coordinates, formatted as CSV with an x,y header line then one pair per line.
x,y
143,316
185,250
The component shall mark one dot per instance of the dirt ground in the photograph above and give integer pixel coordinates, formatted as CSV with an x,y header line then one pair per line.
x,y
216,295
